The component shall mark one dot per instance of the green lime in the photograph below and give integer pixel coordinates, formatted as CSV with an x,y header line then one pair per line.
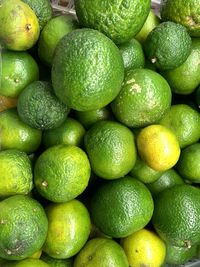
x,y
69,229
132,54
120,21
183,12
88,118
184,121
101,252
177,214
168,45
15,134
168,179
179,255
185,78
144,98
38,107
62,173
18,70
87,70
111,149
16,173
23,227
144,173
189,163
71,132
54,30
121,207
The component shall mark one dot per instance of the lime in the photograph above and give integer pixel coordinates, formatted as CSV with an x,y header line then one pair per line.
x,y
16,173
177,214
87,70
88,118
38,107
185,78
189,163
132,54
144,98
183,12
119,20
158,147
111,149
69,229
19,28
62,173
144,173
101,252
144,248
121,207
23,227
18,70
54,30
184,121
71,132
168,179
15,134
168,45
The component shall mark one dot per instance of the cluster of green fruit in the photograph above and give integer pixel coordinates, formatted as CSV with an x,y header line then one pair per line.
x,y
99,134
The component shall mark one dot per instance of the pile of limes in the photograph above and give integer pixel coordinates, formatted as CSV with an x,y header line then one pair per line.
x,y
99,134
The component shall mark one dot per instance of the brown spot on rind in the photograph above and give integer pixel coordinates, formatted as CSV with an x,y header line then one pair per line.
x,y
28,27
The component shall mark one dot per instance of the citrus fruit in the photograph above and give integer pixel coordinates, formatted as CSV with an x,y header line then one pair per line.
x,y
121,207
168,179
151,22
168,45
38,107
52,262
69,229
101,252
54,30
176,215
185,78
184,121
158,147
189,163
144,248
111,149
23,227
144,173
179,255
144,98
27,263
18,70
42,9
71,132
183,12
16,173
119,20
132,54
15,134
87,70
88,118
62,173
21,30
7,102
